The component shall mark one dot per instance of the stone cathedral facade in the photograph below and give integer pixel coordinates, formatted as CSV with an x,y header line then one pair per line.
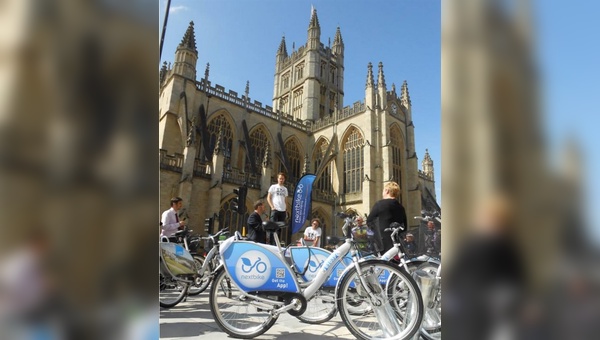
x,y
213,140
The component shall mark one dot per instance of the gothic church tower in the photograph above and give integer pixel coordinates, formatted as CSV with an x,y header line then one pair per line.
x,y
309,83
186,55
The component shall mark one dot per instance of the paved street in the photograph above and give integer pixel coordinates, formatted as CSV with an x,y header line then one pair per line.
x,y
192,320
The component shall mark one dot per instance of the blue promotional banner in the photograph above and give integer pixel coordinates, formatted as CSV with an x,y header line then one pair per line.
x,y
301,203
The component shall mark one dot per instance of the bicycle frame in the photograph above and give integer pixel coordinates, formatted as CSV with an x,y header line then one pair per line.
x,y
395,250
212,252
261,268
309,260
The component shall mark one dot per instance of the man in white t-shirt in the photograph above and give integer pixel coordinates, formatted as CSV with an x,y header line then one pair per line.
x,y
312,234
276,199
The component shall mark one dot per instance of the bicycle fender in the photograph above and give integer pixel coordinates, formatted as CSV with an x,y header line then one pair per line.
x,y
415,260
313,259
177,260
258,267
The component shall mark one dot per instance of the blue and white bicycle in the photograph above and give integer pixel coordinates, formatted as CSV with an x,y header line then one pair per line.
x,y
256,284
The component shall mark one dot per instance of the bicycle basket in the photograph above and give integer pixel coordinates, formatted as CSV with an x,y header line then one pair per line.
x,y
194,245
359,234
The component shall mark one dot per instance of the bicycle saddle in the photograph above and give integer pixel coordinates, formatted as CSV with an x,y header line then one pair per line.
x,y
272,226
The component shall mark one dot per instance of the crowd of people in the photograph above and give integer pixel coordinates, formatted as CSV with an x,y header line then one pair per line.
x,y
369,233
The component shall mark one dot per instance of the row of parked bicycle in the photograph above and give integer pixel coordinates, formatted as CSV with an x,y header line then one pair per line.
x,y
378,297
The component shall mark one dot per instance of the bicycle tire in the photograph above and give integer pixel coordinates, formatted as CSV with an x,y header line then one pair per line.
x,y
398,312
171,292
320,308
233,314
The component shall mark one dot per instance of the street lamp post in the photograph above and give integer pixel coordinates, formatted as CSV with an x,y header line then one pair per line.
x,y
164,29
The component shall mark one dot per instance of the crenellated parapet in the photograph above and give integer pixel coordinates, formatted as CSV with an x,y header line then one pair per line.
x,y
300,53
247,103
348,111
424,175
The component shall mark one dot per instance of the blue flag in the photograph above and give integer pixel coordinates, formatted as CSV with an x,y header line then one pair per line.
x,y
301,203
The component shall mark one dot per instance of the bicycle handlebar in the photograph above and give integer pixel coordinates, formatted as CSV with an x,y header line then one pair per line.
x,y
215,236
394,226
428,218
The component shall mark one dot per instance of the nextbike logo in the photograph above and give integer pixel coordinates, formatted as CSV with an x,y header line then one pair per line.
x,y
253,269
316,262
299,204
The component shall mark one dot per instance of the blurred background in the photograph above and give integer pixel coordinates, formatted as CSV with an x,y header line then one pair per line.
x,y
518,176
79,169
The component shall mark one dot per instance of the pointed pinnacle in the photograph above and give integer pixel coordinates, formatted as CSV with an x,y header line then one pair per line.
x,y
380,76
370,74
338,37
314,20
189,38
282,48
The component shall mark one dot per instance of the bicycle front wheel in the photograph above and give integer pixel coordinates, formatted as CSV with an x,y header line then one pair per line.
x,y
380,301
233,312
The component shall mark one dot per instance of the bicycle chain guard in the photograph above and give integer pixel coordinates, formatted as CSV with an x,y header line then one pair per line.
x,y
288,300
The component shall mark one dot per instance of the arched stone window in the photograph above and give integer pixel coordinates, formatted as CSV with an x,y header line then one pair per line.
x,y
324,181
297,103
295,159
258,143
214,129
353,161
397,150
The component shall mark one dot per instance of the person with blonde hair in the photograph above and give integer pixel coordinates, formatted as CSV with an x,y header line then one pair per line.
x,y
386,211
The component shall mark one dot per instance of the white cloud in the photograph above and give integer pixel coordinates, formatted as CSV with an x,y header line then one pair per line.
x,y
175,9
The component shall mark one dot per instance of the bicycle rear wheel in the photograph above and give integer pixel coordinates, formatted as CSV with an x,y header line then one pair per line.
x,y
171,292
233,312
385,304
320,308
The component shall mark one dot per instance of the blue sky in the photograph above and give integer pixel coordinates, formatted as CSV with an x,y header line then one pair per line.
x,y
240,38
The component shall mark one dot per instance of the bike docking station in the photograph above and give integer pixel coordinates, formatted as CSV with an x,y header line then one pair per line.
x,y
258,268
256,283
